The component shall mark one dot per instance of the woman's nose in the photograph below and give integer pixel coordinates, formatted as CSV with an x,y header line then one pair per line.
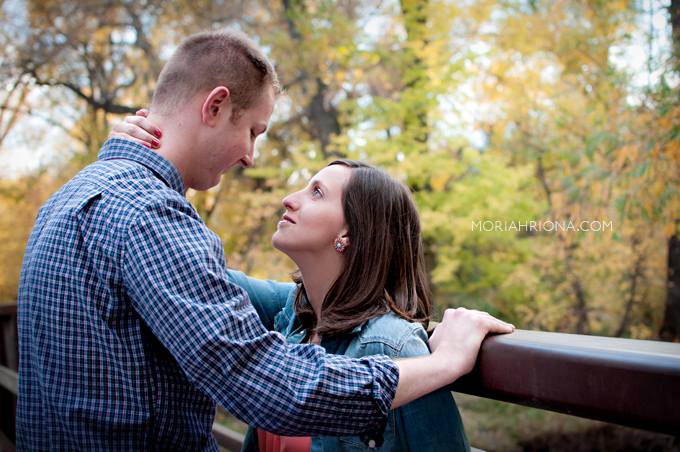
x,y
289,202
292,201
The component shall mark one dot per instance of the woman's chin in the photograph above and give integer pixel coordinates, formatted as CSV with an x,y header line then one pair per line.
x,y
277,242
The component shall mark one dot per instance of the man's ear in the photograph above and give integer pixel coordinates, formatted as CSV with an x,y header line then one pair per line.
x,y
216,106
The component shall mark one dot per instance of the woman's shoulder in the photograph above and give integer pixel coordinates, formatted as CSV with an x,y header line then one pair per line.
x,y
394,336
272,300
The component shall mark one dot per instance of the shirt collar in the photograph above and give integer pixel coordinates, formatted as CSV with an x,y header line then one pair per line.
x,y
117,148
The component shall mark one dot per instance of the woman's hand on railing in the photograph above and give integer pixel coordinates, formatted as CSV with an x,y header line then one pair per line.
x,y
138,128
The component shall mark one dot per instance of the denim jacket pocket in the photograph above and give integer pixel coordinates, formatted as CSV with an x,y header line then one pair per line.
x,y
355,444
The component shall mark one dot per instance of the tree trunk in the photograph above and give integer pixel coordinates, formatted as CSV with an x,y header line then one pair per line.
x,y
581,307
671,321
322,115
415,22
670,329
637,271
674,11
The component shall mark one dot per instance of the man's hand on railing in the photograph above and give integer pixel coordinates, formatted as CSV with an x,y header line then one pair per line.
x,y
458,337
454,344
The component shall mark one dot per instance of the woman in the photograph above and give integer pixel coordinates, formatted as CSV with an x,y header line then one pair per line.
x,y
360,289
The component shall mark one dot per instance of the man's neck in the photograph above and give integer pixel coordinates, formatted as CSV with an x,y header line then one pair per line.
x,y
179,139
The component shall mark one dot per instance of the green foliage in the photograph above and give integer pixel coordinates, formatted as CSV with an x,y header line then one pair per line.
x,y
400,85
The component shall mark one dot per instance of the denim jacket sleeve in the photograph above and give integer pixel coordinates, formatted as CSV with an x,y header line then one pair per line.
x,y
432,422
268,297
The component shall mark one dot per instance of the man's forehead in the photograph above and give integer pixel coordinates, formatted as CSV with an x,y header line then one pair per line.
x,y
264,108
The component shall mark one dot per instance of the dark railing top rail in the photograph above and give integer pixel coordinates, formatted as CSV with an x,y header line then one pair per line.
x,y
623,381
8,308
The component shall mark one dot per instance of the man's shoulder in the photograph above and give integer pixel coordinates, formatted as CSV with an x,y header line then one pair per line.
x,y
112,195
125,184
124,175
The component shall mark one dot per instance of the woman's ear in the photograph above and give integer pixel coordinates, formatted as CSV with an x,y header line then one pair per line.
x,y
345,238
216,106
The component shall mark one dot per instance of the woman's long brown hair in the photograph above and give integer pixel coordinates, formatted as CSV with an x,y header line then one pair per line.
x,y
385,266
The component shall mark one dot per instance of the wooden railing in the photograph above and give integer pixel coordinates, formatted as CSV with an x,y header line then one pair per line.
x,y
622,381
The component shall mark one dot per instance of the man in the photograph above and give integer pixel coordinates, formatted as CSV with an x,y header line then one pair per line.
x,y
129,328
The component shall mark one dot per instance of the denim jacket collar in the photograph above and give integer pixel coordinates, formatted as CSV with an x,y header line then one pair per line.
x,y
296,333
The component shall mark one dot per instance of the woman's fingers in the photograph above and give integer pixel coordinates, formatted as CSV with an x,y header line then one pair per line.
x,y
125,136
139,129
479,321
141,121
489,316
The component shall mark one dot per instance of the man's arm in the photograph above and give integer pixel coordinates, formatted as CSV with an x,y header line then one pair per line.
x,y
176,279
268,297
461,332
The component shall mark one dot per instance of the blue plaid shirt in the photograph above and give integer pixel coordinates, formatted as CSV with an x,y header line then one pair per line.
x,y
130,330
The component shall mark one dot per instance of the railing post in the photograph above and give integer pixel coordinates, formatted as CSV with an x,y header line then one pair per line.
x,y
9,357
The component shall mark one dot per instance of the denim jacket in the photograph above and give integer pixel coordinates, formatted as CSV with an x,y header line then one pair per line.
x,y
430,423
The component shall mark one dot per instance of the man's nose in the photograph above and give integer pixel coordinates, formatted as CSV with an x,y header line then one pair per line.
x,y
248,160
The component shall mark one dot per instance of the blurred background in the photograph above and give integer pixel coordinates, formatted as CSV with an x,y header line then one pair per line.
x,y
507,111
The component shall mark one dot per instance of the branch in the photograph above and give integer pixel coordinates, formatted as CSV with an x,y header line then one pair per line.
x,y
540,172
50,121
142,42
299,79
14,111
108,106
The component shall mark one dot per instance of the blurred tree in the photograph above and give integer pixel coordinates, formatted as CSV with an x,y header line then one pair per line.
x,y
402,85
556,101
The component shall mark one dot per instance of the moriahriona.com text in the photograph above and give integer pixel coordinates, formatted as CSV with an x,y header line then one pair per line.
x,y
538,226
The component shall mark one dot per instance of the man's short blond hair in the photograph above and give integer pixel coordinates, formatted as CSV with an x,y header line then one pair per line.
x,y
207,60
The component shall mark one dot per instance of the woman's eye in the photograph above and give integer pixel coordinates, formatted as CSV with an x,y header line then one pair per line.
x,y
252,134
317,192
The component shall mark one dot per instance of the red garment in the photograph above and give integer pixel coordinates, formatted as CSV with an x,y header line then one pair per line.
x,y
270,442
